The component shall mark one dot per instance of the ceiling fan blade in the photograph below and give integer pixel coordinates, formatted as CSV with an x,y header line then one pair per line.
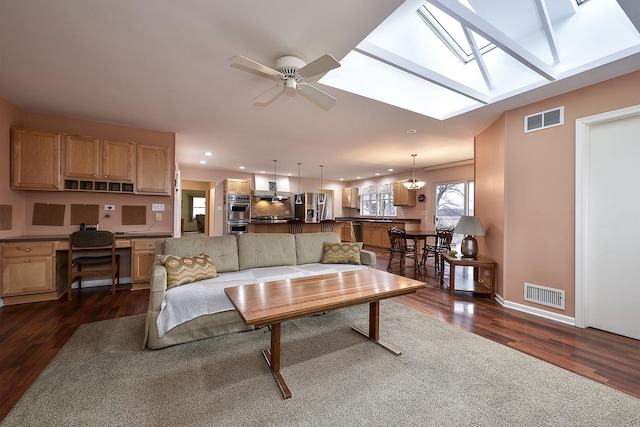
x,y
322,98
319,66
246,62
270,94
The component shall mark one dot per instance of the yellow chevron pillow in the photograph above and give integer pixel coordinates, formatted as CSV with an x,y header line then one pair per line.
x,y
341,253
183,270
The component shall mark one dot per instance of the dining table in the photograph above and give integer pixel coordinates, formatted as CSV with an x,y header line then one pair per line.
x,y
417,236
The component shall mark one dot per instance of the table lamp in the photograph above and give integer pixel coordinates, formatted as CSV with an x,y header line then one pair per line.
x,y
471,226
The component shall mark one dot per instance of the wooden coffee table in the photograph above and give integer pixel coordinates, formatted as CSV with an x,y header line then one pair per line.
x,y
272,303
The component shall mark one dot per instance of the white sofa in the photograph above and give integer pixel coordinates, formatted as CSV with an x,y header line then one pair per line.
x,y
201,309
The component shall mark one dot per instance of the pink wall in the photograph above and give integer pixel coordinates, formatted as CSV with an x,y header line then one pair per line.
x,y
539,183
23,201
490,196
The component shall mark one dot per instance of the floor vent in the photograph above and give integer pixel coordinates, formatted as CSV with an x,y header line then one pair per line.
x,y
543,295
543,120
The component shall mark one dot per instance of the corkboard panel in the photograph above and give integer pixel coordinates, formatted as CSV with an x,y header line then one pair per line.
x,y
48,214
5,217
85,214
134,215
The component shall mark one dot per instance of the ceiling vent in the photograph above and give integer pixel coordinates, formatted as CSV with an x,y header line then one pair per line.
x,y
543,120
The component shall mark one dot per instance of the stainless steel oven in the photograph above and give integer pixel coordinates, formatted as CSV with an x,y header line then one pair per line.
x,y
237,227
238,208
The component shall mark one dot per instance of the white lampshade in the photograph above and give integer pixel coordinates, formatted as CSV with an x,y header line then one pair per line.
x,y
469,225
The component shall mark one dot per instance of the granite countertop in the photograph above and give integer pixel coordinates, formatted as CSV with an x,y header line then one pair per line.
x,y
51,238
383,221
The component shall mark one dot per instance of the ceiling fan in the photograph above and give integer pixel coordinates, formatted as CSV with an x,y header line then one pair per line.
x,y
293,71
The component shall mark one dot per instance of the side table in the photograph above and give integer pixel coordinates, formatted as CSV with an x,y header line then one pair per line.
x,y
482,280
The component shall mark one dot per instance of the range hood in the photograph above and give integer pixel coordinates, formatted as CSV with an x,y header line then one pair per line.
x,y
271,195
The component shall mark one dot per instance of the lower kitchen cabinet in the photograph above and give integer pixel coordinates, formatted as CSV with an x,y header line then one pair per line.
x,y
142,259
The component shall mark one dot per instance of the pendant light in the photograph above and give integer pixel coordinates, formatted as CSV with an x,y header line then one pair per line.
x,y
275,181
321,196
412,184
299,177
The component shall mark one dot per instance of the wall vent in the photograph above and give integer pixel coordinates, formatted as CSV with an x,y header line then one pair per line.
x,y
543,120
543,295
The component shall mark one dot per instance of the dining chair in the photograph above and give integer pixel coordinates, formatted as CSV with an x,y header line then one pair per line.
x,y
441,245
327,225
398,245
295,225
99,265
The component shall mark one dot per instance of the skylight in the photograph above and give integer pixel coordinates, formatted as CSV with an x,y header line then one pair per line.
x,y
521,45
452,33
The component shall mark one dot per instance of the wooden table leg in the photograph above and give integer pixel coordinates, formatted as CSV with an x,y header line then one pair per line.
x,y
272,356
452,279
374,328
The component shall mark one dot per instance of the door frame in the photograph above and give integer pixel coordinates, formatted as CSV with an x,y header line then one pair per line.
x,y
583,129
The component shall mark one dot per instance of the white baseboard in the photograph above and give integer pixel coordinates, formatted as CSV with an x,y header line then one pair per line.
x,y
567,320
100,282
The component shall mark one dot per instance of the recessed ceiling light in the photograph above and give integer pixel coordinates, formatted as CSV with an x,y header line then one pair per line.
x,y
202,162
241,167
341,179
357,177
390,170
208,153
377,173
411,131
262,172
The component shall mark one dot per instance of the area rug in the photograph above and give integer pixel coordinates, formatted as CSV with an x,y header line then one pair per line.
x,y
445,377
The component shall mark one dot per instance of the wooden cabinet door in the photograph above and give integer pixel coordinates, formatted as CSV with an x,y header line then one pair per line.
x,y
35,160
376,236
117,160
152,169
81,157
142,259
402,196
27,275
244,187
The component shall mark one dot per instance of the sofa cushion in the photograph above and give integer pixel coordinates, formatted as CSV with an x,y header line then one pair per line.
x,y
183,270
223,250
266,250
341,253
309,246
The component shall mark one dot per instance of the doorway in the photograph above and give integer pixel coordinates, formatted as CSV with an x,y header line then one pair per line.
x,y
196,213
607,232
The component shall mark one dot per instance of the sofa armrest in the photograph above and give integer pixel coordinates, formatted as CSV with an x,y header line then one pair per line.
x,y
368,258
158,286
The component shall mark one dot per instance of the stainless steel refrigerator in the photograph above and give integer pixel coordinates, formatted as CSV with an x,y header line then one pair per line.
x,y
313,207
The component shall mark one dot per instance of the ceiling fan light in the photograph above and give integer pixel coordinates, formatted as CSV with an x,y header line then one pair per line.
x,y
290,84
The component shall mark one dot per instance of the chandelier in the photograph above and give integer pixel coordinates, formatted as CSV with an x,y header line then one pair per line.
x,y
412,184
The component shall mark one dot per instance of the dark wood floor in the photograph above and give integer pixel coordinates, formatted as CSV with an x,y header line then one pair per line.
x,y
32,334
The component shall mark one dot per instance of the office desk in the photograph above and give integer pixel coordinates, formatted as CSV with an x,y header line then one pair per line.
x,y
34,268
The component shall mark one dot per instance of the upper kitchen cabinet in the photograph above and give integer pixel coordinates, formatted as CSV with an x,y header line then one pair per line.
x,y
237,186
35,160
153,169
350,197
403,196
93,159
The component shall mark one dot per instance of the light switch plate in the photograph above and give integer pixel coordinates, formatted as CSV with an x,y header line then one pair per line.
x,y
157,207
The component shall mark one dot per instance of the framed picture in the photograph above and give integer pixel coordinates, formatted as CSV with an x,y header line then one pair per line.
x,y
273,186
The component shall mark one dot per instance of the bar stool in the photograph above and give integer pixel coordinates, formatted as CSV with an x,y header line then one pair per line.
x,y
295,226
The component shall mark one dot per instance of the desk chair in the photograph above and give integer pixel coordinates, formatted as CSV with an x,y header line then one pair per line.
x,y
108,264
295,225
398,242
442,245
327,225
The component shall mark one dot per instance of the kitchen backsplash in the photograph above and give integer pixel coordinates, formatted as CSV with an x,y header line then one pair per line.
x,y
281,209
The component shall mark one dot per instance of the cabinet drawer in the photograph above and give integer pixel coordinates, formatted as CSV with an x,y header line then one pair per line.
x,y
26,249
143,244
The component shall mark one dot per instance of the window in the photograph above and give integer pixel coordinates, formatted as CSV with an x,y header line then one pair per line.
x,y
377,200
451,33
452,200
198,206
